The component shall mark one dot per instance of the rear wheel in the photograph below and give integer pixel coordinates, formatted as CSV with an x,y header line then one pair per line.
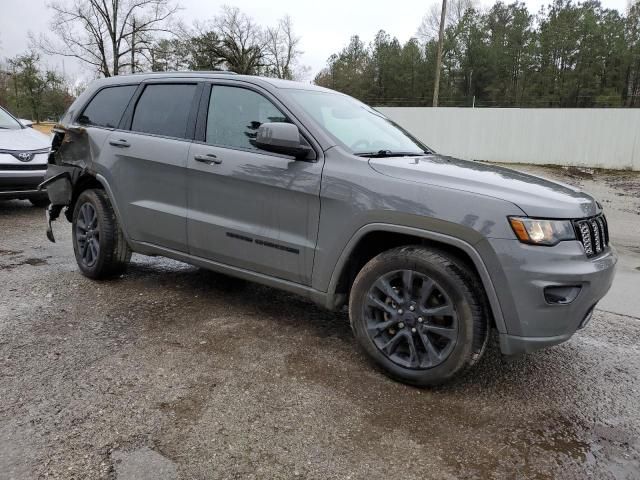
x,y
418,314
98,242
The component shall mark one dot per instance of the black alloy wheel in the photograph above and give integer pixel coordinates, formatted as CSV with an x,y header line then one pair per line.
x,y
420,314
88,234
99,244
411,319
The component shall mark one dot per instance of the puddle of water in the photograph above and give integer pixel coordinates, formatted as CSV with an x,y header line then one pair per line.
x,y
34,262
9,252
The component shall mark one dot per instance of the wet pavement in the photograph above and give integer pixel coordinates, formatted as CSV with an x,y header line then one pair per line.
x,y
173,372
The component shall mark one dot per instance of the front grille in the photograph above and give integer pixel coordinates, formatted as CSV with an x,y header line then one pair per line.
x,y
22,167
593,233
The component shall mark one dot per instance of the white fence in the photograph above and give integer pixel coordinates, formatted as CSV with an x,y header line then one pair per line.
x,y
603,138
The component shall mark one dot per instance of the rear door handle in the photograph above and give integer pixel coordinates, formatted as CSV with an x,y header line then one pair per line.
x,y
119,143
209,159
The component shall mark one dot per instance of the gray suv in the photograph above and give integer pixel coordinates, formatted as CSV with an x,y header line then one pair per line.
x,y
311,191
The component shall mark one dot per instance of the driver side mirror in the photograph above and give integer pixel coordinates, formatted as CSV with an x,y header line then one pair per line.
x,y
283,138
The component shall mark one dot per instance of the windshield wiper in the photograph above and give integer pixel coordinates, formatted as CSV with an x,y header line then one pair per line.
x,y
389,153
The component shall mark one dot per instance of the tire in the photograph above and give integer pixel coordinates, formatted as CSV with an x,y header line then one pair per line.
x,y
40,202
98,242
425,334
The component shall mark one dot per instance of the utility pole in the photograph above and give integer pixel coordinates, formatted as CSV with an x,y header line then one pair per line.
x,y
436,83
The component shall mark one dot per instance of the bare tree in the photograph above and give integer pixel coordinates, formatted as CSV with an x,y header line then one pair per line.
x,y
106,34
281,49
430,25
241,40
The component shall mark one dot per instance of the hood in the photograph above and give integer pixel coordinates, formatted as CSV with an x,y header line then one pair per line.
x,y
536,196
23,139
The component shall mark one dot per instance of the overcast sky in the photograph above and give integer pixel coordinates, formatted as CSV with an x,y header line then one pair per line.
x,y
325,26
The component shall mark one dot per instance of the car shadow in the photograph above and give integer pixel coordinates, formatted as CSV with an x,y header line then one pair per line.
x,y
13,206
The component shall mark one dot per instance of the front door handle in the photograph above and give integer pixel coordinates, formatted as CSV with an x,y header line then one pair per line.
x,y
119,143
209,159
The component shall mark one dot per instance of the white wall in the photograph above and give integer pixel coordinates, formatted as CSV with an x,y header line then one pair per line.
x,y
603,137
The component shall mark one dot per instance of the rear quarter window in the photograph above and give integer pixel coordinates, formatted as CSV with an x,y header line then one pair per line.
x,y
107,107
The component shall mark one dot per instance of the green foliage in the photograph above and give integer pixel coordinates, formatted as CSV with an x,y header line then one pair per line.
x,y
232,41
199,52
28,91
569,55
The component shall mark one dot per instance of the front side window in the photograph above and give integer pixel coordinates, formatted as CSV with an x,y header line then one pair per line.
x,y
164,110
107,107
354,124
235,115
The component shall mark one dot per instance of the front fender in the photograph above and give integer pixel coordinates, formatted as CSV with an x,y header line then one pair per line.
x,y
470,249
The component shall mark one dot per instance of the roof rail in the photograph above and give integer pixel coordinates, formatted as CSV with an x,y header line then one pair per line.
x,y
224,72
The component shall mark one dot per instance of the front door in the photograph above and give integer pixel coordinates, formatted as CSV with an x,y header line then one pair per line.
x,y
247,207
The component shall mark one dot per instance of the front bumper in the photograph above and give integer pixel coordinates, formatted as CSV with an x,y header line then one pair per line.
x,y
21,184
531,320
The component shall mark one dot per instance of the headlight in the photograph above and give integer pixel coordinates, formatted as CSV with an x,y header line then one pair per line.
x,y
542,232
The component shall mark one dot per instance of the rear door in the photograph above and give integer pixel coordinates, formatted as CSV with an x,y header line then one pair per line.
x,y
148,160
247,207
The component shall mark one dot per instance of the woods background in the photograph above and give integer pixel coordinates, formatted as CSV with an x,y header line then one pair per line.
x,y
566,55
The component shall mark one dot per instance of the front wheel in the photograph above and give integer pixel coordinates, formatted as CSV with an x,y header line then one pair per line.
x,y
418,314
98,242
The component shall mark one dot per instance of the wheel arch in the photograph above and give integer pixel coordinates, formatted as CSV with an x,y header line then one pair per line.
x,y
89,180
376,238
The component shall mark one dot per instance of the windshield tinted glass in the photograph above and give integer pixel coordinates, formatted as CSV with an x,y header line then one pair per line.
x,y
354,124
8,122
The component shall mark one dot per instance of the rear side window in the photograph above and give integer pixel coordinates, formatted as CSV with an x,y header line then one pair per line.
x,y
235,115
107,107
164,110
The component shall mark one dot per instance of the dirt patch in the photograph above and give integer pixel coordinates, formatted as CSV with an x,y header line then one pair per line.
x,y
43,127
579,172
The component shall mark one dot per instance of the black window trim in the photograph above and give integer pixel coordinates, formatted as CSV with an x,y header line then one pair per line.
x,y
95,94
127,118
203,111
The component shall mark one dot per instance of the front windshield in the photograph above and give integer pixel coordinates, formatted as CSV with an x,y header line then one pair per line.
x,y
355,125
7,122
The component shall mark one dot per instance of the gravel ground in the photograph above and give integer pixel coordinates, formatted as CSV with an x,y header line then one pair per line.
x,y
173,372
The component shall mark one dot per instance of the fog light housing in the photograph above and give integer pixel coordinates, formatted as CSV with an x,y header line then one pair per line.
x,y
561,295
